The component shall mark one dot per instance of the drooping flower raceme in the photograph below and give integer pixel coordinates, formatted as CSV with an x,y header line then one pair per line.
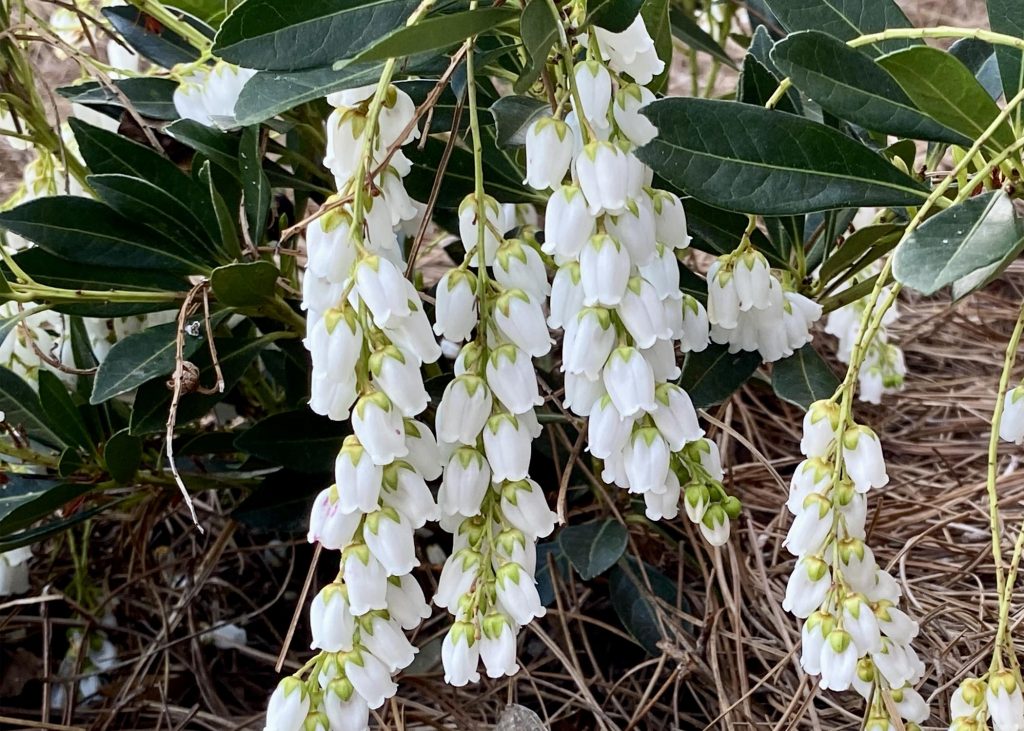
x,y
368,335
854,634
616,292
883,369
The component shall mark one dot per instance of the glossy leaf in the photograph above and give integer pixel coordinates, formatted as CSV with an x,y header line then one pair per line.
x,y
845,19
803,378
267,34
280,504
613,15
719,232
958,241
255,185
438,32
757,84
61,412
594,547
753,160
514,115
538,29
878,239
1007,16
150,96
945,89
299,440
137,358
228,238
22,409
692,35
90,232
851,85
714,374
25,499
151,39
980,59
122,454
636,606
549,554
28,536
244,284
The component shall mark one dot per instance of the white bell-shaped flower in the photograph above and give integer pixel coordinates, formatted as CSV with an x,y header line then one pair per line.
x,y
670,220
820,424
396,114
507,444
288,706
715,525
455,306
385,639
631,52
512,378
548,153
723,300
521,318
646,460
423,455
519,266
862,456
498,646
370,678
406,603
752,280
811,475
857,563
330,251
365,578
524,506
602,170
604,271
634,229
696,499
968,697
460,655
589,340
384,290
581,393
329,525
811,526
398,375
860,621
407,492
693,333
470,229
594,84
346,710
608,430
838,661
675,416
566,295
913,707
663,505
568,223
895,624
459,573
629,380
1005,702
643,313
359,477
389,536
465,483
517,594
807,586
1011,425
894,663
378,425
464,409
331,620
663,272
413,334
396,198
629,100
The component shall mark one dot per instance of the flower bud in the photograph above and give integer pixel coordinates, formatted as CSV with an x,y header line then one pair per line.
x,y
548,153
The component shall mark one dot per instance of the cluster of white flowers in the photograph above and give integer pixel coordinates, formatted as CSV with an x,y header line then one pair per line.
x,y
486,425
883,369
616,292
999,700
208,94
368,336
88,657
750,309
854,635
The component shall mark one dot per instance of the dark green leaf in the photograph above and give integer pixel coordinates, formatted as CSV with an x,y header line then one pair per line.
x,y
957,242
438,33
692,35
25,499
719,232
70,461
89,232
714,374
255,186
281,504
220,147
246,284
150,96
803,378
754,160
212,11
22,409
945,89
229,243
851,85
981,277
122,455
757,84
655,15
980,59
1007,16
284,35
594,547
138,358
151,39
845,19
545,580
539,30
613,15
637,607
299,440
34,535
879,239
61,412
513,116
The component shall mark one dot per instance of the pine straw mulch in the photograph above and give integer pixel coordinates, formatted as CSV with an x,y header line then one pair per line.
x,y
730,660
